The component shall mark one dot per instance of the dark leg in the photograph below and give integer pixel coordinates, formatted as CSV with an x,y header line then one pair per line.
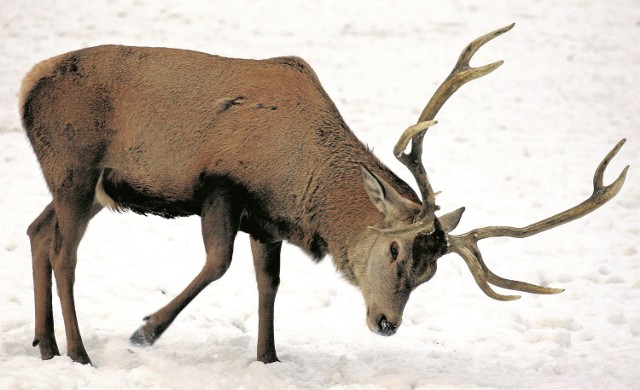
x,y
73,211
266,260
220,222
40,232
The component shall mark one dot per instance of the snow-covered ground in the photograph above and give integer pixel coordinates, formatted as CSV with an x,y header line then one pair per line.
x,y
516,146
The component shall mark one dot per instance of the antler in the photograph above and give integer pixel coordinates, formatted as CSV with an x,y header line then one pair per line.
x,y
462,73
466,245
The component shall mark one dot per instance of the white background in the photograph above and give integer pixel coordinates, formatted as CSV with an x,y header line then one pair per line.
x,y
514,147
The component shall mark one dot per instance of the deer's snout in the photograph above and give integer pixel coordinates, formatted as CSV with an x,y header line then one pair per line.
x,y
382,324
386,328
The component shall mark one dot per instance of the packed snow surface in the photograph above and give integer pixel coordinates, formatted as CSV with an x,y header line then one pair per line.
x,y
513,147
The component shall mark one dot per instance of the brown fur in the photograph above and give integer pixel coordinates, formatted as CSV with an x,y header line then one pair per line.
x,y
248,145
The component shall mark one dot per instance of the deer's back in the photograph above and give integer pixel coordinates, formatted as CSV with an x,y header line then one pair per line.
x,y
169,118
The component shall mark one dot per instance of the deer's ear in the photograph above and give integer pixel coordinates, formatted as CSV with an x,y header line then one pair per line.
x,y
383,196
449,221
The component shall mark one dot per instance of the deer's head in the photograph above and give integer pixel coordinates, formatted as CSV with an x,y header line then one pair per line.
x,y
402,251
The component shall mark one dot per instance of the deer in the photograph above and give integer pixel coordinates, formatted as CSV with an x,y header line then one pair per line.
x,y
255,146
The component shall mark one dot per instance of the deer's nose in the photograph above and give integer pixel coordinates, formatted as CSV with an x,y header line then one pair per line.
x,y
386,328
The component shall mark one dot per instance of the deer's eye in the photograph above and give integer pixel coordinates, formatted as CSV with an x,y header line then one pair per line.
x,y
393,250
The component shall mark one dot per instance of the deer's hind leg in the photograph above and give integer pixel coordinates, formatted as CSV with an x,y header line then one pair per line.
x,y
40,233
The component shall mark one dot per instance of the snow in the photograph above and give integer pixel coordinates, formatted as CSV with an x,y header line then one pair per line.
x,y
514,147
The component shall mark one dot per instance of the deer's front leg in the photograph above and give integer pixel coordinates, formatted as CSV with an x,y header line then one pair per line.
x,y
266,260
220,219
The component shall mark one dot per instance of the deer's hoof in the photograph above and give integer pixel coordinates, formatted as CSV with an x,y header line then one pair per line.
x,y
80,357
142,338
48,347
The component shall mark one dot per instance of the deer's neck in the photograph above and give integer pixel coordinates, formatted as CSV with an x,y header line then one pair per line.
x,y
343,211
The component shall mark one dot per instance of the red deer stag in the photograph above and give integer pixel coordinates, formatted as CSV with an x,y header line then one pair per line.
x,y
248,145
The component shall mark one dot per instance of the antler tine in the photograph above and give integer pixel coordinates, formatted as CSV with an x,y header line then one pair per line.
x,y
466,245
461,74
601,195
468,250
